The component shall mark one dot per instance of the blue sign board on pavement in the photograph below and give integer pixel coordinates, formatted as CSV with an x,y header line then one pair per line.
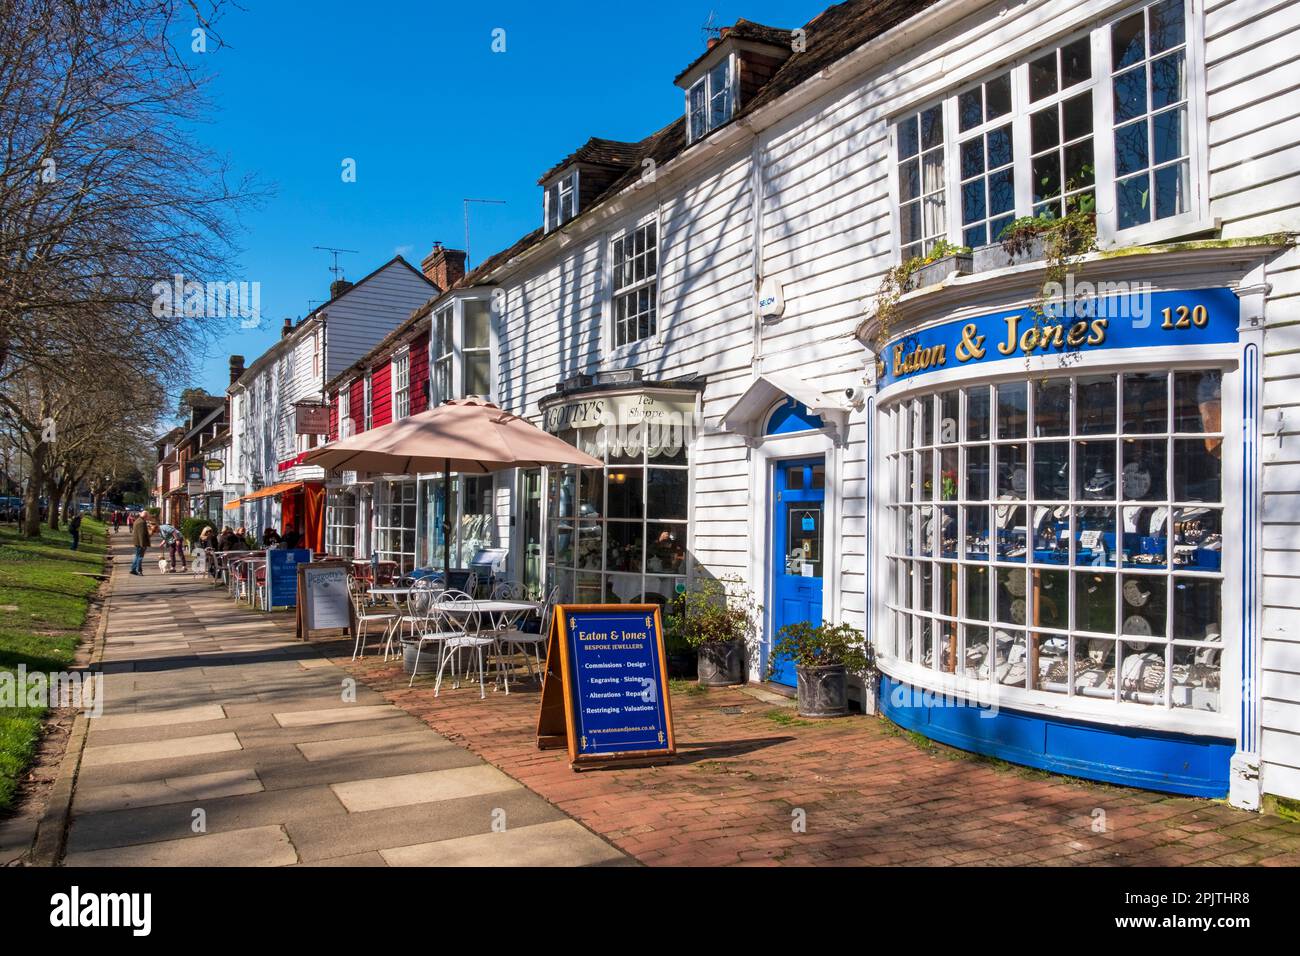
x,y
611,673
282,575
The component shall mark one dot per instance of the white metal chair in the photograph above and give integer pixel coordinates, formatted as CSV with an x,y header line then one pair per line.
x,y
514,640
508,591
364,615
419,601
462,631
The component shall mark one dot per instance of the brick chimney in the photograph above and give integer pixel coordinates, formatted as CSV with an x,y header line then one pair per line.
x,y
288,327
444,267
236,368
338,287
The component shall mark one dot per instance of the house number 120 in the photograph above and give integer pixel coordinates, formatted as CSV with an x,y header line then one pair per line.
x,y
1198,316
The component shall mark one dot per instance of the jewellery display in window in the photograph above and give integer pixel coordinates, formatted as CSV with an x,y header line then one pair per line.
x,y
1134,596
1136,481
1101,486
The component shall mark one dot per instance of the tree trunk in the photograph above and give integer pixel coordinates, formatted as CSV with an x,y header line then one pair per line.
x,y
69,500
32,497
99,506
54,492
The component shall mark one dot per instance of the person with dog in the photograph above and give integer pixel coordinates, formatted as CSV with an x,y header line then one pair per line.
x,y
140,538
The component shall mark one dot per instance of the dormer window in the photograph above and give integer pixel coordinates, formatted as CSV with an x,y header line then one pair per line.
x,y
709,101
561,200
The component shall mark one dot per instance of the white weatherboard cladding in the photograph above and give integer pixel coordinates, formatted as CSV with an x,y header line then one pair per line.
x,y
822,226
367,312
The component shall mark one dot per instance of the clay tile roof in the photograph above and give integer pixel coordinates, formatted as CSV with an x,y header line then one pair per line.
x,y
596,152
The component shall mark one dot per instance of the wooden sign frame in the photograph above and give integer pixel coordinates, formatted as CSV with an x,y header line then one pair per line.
x,y
556,719
301,631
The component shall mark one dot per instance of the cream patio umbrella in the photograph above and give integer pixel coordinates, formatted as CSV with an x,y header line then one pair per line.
x,y
469,435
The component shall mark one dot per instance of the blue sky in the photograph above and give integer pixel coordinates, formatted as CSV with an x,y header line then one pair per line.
x,y
415,95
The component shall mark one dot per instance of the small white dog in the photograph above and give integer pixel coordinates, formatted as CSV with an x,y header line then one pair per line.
x,y
162,565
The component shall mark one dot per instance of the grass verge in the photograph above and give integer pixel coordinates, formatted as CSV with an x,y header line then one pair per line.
x,y
43,602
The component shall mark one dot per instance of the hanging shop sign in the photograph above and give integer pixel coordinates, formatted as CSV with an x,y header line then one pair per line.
x,y
194,471
605,691
214,464
311,419
1138,320
282,575
323,601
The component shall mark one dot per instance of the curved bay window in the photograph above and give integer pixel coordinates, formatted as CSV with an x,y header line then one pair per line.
x,y
1062,534
618,534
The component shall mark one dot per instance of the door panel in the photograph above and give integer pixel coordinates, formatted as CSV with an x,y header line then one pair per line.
x,y
798,534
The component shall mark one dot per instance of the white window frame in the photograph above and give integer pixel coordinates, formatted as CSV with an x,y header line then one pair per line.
x,y
401,365
1196,219
705,83
553,195
438,359
458,357
1108,711
345,410
369,403
614,348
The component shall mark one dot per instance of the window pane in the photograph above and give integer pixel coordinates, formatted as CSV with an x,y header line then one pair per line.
x,y
1146,402
1076,62
977,473
1173,190
1096,405
1168,80
1143,605
626,494
1095,539
1168,28
477,374
1130,94
997,96
1095,470
1013,419
1127,41
1134,200
1196,401
1012,463
1077,116
977,413
1196,471
478,327
1052,407
1042,77
1131,148
908,138
666,493
1144,470
1051,599
970,109
931,127
1052,471
1168,138
1197,609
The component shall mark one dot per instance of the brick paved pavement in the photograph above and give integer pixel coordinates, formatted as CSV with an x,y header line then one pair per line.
x,y
871,794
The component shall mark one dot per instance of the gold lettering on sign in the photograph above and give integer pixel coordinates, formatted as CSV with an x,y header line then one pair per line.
x,y
1009,346
971,345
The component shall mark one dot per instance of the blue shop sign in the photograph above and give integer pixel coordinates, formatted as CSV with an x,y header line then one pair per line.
x,y
616,680
1137,320
282,575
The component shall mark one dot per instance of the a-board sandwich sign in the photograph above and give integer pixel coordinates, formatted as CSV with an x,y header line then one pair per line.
x,y
605,691
324,603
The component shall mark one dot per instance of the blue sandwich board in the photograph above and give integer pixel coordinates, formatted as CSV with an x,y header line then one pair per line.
x,y
282,575
605,690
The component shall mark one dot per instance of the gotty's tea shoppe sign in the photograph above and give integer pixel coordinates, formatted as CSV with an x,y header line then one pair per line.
x,y
1154,321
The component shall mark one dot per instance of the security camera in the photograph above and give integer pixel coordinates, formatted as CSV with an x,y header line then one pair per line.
x,y
856,396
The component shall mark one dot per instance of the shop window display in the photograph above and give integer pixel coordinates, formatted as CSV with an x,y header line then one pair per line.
x,y
1063,535
618,533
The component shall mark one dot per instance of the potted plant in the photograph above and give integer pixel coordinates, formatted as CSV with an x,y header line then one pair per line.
x,y
718,618
824,657
941,261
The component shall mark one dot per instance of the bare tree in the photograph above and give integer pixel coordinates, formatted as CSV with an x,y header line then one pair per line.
x,y
104,193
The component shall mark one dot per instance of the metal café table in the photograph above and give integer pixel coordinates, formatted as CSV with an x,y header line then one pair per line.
x,y
393,596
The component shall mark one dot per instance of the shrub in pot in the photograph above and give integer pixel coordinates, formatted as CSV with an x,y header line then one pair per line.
x,y
718,618
824,656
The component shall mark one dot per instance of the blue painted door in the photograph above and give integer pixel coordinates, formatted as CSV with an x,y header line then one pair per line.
x,y
798,549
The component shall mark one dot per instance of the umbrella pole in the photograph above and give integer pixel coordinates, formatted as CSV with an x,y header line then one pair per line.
x,y
446,521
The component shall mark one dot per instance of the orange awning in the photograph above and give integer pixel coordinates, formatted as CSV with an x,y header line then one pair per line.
x,y
232,505
270,490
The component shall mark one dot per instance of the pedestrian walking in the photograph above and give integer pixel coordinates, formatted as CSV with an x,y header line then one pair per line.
x,y
140,537
74,527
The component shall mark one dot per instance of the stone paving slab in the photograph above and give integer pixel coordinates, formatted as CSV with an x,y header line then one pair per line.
x,y
260,846
165,749
382,793
215,708
148,793
561,843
